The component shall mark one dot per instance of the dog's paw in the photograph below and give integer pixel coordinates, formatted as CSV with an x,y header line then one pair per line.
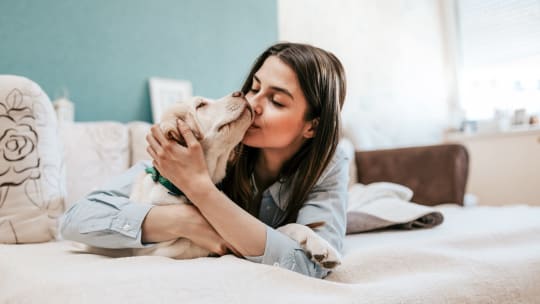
x,y
316,248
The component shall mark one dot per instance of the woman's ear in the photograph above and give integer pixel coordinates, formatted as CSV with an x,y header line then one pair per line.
x,y
310,129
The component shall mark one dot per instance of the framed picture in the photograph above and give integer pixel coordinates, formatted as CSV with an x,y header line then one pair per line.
x,y
164,92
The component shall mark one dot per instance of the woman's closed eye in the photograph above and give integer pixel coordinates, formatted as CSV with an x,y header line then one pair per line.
x,y
277,104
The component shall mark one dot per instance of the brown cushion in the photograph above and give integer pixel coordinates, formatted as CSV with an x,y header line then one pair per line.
x,y
436,174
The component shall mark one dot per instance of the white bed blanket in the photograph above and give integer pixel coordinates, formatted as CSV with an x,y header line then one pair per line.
x,y
478,255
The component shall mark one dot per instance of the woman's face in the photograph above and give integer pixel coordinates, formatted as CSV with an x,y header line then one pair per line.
x,y
279,105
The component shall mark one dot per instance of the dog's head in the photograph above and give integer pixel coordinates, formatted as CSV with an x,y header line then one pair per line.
x,y
219,125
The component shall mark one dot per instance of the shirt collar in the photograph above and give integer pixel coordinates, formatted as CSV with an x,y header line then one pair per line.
x,y
279,191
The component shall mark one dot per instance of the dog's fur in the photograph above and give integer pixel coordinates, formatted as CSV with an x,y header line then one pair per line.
x,y
219,125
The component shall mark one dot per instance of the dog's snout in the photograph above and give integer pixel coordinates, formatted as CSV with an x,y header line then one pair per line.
x,y
250,108
238,94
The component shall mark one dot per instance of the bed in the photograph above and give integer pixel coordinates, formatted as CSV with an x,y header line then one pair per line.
x,y
476,254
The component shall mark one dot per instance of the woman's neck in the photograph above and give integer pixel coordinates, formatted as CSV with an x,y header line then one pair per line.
x,y
268,167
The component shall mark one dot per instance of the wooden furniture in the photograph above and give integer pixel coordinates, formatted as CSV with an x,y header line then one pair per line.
x,y
504,166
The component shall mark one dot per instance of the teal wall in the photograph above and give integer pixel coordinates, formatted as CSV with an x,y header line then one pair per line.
x,y
103,51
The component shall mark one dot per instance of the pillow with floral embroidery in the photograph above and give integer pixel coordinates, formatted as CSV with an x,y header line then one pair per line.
x,y
32,185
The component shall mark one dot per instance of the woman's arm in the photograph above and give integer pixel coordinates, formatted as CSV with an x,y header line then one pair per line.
x,y
164,223
108,219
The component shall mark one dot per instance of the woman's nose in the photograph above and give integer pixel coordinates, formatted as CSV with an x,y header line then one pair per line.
x,y
255,104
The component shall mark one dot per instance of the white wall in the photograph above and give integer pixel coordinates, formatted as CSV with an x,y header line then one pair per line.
x,y
395,60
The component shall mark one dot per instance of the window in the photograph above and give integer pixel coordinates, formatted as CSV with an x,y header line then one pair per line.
x,y
500,57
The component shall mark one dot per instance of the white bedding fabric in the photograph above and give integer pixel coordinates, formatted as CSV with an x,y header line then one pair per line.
x,y
478,255
383,204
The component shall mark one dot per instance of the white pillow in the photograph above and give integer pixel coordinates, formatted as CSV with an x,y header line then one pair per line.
x,y
32,180
137,139
94,152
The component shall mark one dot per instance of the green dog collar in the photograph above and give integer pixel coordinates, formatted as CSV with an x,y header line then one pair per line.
x,y
156,177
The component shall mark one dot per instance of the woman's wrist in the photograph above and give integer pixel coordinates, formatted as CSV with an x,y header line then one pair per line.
x,y
199,190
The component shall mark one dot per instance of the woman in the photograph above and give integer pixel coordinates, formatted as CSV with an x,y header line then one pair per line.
x,y
288,169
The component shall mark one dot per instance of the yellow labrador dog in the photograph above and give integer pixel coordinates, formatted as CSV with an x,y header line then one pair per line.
x,y
219,125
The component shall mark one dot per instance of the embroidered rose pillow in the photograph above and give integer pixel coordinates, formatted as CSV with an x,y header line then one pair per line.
x,y
32,181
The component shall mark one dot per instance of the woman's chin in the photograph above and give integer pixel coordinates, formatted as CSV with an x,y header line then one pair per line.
x,y
249,141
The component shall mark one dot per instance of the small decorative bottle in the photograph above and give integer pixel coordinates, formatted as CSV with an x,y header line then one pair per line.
x,y
65,110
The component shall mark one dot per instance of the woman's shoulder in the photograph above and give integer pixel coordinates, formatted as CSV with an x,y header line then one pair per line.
x,y
337,168
340,158
341,154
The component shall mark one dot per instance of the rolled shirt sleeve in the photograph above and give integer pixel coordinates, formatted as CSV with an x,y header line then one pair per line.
x,y
326,202
284,252
107,218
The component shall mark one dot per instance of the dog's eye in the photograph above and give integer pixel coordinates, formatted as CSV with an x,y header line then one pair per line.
x,y
200,105
224,127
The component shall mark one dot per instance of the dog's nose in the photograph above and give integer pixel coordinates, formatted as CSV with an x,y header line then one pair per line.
x,y
238,94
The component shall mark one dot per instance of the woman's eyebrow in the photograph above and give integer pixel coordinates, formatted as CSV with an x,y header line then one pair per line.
x,y
283,90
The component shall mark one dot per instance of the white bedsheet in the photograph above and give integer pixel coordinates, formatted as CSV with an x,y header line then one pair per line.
x,y
478,255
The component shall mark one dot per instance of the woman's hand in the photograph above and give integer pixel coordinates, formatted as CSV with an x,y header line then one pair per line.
x,y
169,222
184,166
200,232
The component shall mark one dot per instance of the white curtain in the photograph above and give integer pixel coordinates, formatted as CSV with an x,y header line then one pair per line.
x,y
500,57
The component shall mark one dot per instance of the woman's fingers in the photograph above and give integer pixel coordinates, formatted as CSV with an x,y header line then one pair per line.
x,y
186,132
158,135
157,143
202,233
152,145
215,244
155,130
206,237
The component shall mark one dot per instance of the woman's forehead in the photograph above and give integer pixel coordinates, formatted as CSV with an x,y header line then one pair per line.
x,y
274,72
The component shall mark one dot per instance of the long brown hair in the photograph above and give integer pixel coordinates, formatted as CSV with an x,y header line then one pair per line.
x,y
322,80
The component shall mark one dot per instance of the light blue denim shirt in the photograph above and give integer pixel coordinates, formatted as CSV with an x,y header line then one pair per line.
x,y
107,218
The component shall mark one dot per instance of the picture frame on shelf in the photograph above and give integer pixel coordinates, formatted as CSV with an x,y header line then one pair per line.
x,y
166,91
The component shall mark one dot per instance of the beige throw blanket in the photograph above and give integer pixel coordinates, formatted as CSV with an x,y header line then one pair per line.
x,y
478,255
382,205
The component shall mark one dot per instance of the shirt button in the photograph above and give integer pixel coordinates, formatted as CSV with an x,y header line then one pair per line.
x,y
126,227
276,264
